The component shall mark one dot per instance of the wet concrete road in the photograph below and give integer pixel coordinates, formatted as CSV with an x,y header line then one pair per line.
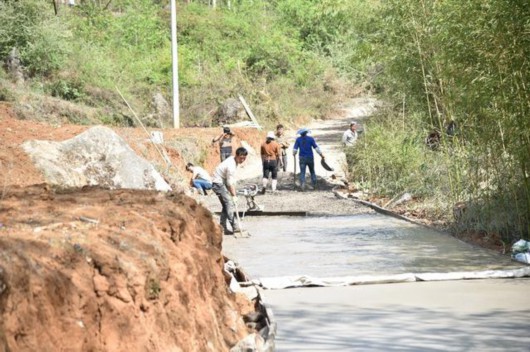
x,y
464,315
476,315
363,244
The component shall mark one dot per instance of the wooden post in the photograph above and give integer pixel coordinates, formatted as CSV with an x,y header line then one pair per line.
x,y
249,112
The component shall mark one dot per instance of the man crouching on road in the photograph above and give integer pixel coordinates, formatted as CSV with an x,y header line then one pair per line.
x,y
224,186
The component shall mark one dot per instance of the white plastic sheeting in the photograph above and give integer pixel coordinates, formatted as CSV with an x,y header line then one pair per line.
x,y
305,281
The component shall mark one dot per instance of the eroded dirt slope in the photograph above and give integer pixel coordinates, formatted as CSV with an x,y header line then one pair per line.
x,y
122,270
180,145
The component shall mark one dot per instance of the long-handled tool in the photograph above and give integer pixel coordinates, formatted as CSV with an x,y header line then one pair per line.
x,y
294,174
241,233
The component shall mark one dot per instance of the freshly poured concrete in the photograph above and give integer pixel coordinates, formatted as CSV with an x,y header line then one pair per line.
x,y
364,244
463,315
476,315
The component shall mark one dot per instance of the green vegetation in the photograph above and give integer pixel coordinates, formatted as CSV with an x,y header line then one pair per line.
x,y
434,63
465,62
83,53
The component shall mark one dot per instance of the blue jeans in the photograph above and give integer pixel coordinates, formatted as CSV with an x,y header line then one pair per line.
x,y
202,185
310,163
228,206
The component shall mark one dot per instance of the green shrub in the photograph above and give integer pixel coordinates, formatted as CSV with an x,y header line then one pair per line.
x,y
41,38
66,90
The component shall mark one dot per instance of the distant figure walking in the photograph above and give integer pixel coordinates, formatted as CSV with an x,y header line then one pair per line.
x,y
350,136
306,144
225,143
282,141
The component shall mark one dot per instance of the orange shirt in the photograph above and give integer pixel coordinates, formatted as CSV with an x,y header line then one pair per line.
x,y
270,151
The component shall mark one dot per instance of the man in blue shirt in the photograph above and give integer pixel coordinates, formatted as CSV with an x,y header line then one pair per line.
x,y
306,144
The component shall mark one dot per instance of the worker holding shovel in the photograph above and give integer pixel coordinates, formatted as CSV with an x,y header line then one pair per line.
x,y
306,144
224,186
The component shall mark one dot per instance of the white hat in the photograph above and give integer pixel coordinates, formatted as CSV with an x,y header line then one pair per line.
x,y
353,123
303,130
271,135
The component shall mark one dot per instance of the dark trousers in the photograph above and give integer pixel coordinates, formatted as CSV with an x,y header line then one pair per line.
x,y
227,213
270,167
225,153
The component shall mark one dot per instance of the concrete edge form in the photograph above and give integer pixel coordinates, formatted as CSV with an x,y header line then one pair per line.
x,y
384,211
276,283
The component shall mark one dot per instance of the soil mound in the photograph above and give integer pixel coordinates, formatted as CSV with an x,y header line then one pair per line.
x,y
112,270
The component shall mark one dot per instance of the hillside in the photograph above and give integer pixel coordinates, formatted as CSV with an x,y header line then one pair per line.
x,y
102,270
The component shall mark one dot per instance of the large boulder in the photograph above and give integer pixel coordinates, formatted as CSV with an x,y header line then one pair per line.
x,y
96,157
230,112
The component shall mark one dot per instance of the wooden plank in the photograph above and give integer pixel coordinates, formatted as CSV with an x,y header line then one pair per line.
x,y
249,112
270,213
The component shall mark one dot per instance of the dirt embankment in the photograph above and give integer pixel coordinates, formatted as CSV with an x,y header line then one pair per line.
x,y
101,270
123,270
180,145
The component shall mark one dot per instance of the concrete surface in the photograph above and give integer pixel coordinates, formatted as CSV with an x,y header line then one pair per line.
x,y
477,315
361,244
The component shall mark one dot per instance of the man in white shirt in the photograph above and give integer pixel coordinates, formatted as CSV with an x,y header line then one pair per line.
x,y
350,136
224,186
200,178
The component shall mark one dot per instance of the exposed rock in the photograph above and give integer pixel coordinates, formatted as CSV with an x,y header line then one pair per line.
x,y
14,66
229,112
161,115
98,156
251,343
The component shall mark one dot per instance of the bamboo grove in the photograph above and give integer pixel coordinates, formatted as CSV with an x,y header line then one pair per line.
x,y
459,70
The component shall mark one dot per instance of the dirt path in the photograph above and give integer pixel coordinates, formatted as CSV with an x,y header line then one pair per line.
x,y
328,134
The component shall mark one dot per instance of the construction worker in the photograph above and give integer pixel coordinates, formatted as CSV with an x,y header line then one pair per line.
x,y
224,186
200,179
282,141
225,143
306,144
350,136
270,156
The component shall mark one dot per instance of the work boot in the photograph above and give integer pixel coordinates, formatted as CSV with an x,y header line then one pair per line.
x,y
263,190
302,187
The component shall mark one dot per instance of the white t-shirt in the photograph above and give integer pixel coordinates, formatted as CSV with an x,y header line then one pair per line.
x,y
349,137
199,172
225,172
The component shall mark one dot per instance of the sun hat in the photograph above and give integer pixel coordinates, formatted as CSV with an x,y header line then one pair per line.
x,y
226,129
353,123
270,135
303,130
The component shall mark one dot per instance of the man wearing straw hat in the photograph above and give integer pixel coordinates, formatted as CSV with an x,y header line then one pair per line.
x,y
306,144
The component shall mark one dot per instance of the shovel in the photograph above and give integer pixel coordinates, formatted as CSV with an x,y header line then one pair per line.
x,y
325,165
